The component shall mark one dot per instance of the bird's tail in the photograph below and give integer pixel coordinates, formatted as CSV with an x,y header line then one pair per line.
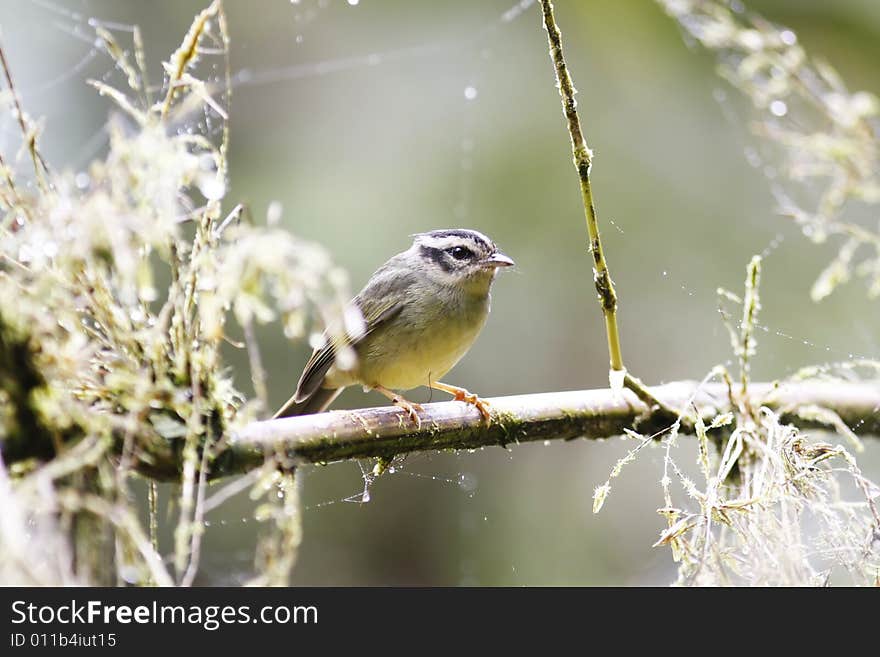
x,y
317,402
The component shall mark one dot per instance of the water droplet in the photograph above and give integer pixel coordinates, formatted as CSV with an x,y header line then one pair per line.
x,y
353,3
778,108
467,481
788,37
470,92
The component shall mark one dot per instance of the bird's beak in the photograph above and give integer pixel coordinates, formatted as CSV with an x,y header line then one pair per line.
x,y
498,259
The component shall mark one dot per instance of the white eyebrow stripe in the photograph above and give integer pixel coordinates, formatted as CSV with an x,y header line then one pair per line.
x,y
448,242
445,242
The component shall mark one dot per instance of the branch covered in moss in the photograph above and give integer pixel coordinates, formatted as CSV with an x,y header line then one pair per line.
x,y
385,432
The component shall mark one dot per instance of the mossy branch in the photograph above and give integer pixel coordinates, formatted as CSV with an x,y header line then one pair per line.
x,y
385,432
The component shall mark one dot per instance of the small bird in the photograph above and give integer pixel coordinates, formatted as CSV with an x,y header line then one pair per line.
x,y
422,309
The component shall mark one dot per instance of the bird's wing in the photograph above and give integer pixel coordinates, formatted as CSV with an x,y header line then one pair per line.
x,y
375,313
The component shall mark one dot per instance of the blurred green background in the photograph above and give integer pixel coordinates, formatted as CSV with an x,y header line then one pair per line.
x,y
372,120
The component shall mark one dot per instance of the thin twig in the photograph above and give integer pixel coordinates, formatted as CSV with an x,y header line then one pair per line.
x,y
29,137
232,489
10,183
751,306
187,53
197,526
153,502
258,372
125,523
583,162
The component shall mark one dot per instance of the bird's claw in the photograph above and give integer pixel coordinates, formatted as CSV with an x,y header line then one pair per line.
x,y
412,409
480,404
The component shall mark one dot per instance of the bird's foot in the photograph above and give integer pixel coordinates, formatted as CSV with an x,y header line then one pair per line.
x,y
460,394
480,404
412,409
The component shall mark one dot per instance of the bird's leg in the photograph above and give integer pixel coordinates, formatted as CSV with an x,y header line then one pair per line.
x,y
411,408
460,394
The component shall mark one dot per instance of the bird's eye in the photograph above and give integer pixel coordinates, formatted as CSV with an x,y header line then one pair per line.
x,y
460,253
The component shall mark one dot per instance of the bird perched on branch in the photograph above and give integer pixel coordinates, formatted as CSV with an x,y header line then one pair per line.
x,y
422,311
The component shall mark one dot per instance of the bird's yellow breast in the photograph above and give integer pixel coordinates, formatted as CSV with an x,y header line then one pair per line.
x,y
413,354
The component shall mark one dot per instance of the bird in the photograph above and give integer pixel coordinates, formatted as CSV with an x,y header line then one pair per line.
x,y
422,311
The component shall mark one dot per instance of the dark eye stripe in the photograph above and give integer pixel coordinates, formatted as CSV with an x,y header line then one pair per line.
x,y
437,256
